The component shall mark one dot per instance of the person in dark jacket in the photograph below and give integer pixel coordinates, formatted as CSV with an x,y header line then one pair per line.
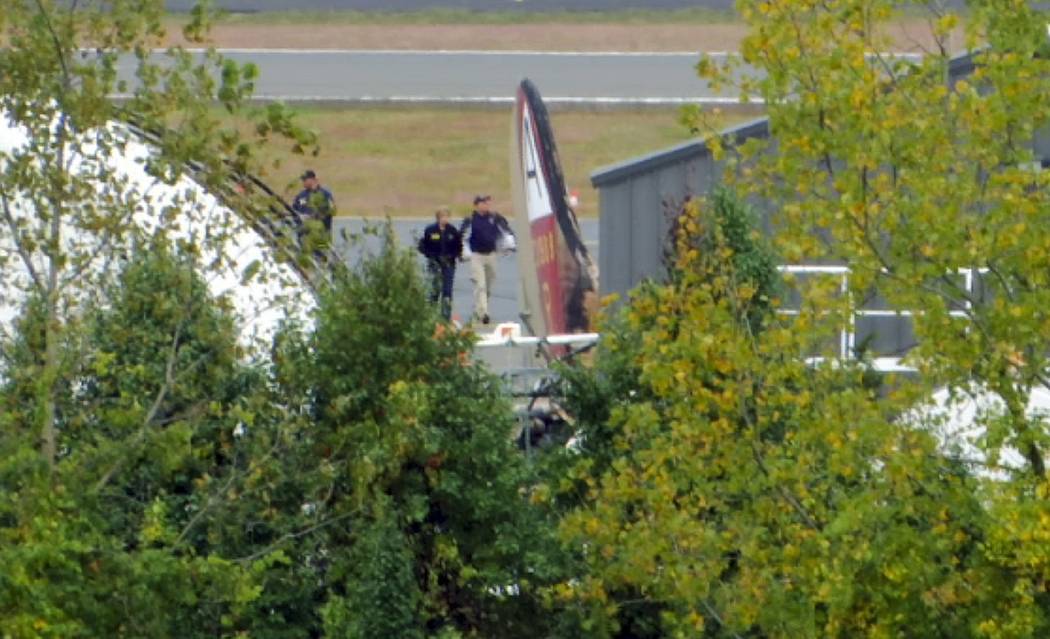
x,y
315,206
442,245
488,232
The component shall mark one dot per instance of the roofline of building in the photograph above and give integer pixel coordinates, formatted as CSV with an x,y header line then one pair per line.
x,y
962,64
685,151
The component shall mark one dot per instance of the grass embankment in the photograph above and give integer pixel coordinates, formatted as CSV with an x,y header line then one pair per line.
x,y
691,30
639,30
408,161
696,15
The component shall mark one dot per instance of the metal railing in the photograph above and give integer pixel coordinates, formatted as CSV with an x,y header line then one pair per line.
x,y
847,338
523,360
511,340
848,335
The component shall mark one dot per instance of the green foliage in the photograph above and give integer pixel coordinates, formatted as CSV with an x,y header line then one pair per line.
x,y
720,237
753,496
157,481
160,480
731,232
910,179
127,493
382,596
103,543
22,364
64,218
716,243
368,486
419,438
745,493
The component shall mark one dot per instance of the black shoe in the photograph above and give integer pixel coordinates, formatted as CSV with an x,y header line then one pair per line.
x,y
484,319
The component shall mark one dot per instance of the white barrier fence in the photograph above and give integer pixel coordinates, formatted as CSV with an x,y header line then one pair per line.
x,y
848,335
509,336
575,339
519,357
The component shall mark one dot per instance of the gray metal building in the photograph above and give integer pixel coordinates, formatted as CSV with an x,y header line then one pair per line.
x,y
639,198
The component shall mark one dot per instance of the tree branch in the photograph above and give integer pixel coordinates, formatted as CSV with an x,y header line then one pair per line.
x,y
1017,413
57,42
204,509
714,615
169,381
757,454
292,536
9,217
785,493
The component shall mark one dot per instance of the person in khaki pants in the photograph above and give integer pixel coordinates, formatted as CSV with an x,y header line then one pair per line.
x,y
487,229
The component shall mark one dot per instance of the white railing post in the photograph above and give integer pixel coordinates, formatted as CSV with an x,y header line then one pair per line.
x,y
849,332
968,275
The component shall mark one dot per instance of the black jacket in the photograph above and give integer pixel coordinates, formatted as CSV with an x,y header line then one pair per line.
x,y
317,205
443,246
485,230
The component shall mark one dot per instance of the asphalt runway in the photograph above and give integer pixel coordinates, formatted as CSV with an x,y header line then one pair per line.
x,y
471,5
384,77
504,304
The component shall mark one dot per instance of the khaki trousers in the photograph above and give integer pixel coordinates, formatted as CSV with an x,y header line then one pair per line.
x,y
483,276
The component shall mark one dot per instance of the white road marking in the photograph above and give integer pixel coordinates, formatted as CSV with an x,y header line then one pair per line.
x,y
492,52
413,99
479,52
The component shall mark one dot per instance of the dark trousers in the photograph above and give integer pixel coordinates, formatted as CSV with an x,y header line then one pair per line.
x,y
442,275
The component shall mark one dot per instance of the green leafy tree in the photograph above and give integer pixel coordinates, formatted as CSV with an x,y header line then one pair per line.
x,y
911,179
218,466
116,549
751,494
883,165
67,206
124,384
596,395
754,495
593,393
415,441
382,596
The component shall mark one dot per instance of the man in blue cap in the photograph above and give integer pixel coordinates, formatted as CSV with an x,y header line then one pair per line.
x,y
315,204
489,234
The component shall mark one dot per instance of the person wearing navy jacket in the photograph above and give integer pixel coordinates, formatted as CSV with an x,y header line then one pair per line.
x,y
489,234
314,202
442,245
315,207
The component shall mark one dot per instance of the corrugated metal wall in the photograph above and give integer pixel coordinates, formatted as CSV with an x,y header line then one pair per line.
x,y
638,202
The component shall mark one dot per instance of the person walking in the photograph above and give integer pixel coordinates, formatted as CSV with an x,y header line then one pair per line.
x,y
442,245
315,206
488,232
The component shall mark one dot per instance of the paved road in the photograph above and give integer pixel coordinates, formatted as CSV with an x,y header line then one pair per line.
x,y
408,76
505,297
473,5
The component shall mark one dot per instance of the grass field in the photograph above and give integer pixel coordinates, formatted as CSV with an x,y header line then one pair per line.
x,y
339,33
408,161
698,15
685,30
